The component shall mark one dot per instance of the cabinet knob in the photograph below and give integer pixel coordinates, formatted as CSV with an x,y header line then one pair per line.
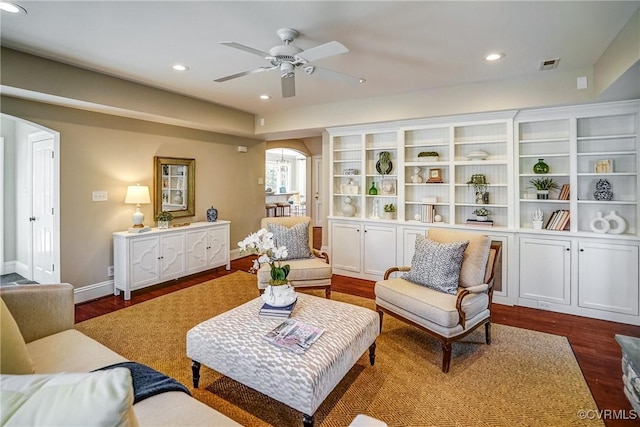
x,y
581,250
568,249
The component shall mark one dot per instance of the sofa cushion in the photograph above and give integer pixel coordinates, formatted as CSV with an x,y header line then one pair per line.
x,y
436,265
14,357
102,398
314,271
294,238
475,256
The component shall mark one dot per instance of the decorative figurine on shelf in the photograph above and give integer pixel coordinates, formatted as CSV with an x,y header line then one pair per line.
x,y
541,167
212,214
416,178
536,219
603,190
177,199
347,208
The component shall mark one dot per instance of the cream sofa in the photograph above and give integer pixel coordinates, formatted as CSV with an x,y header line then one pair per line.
x,y
45,318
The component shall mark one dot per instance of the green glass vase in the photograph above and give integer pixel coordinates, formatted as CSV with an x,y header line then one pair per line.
x,y
373,191
541,167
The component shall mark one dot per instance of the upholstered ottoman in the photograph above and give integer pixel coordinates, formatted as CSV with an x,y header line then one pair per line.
x,y
232,343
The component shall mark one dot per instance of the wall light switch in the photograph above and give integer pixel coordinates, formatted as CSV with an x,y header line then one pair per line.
x,y
581,83
99,196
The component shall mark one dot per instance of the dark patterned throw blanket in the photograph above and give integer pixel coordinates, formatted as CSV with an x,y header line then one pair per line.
x,y
148,382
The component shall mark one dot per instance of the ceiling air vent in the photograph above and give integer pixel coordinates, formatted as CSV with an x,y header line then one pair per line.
x,y
549,64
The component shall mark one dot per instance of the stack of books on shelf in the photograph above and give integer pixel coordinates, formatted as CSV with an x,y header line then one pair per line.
x,y
559,220
428,213
475,222
283,312
564,192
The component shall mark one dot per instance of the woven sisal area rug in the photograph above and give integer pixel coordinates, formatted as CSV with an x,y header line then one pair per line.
x,y
524,378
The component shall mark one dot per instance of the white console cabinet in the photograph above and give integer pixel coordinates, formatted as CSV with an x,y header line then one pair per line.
x,y
145,259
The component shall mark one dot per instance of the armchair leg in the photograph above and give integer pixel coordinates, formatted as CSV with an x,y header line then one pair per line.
x,y
446,356
380,314
327,292
487,330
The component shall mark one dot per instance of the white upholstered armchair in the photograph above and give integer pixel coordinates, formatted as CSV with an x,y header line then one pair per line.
x,y
447,311
310,272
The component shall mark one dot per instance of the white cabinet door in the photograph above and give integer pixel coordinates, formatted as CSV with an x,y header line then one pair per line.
x,y
172,259
145,259
217,247
379,249
608,277
196,248
346,252
545,270
409,244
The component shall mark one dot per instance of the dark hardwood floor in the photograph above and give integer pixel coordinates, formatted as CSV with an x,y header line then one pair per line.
x,y
593,341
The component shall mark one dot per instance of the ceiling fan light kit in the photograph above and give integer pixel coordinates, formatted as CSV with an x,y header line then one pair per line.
x,y
288,57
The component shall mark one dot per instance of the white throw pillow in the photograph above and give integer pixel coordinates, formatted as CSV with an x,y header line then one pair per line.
x,y
101,398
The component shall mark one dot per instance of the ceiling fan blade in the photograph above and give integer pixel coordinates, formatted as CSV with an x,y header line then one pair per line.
x,y
244,73
333,75
288,86
322,51
246,48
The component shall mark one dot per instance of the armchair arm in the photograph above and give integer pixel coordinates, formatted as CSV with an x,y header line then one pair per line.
x,y
393,270
463,292
322,255
40,310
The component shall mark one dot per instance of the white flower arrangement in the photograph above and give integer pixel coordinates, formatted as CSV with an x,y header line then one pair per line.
x,y
262,244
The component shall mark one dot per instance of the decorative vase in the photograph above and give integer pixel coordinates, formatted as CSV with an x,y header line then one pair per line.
x,y
541,167
537,224
542,194
163,224
603,190
212,214
177,199
373,191
481,218
388,215
599,224
618,221
279,296
347,208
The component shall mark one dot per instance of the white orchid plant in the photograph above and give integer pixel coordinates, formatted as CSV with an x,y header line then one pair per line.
x,y
262,244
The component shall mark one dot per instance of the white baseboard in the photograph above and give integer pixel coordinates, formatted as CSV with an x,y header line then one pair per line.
x,y
91,292
22,269
235,254
8,267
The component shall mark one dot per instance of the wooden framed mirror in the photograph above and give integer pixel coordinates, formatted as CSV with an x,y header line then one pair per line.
x,y
174,186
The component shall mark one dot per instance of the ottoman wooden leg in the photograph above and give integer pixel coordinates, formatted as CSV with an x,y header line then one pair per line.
x,y
195,369
372,353
307,420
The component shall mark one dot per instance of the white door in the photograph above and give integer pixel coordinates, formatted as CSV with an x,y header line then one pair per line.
x,y
318,213
43,213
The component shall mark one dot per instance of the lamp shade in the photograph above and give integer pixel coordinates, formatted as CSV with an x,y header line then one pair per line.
x,y
137,195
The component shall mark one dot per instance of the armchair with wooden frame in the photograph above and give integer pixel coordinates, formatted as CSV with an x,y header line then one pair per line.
x,y
312,272
444,316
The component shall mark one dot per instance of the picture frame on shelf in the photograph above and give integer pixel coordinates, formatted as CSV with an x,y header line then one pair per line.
x,y
388,187
603,166
435,175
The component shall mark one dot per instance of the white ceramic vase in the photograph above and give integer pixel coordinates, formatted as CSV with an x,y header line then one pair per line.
x,y
279,296
599,224
617,224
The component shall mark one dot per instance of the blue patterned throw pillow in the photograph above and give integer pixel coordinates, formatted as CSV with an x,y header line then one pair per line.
x,y
437,265
295,239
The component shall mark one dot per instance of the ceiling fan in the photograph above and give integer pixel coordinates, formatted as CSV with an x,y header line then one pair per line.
x,y
288,57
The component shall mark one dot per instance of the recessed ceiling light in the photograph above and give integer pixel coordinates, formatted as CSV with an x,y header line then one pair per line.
x,y
265,97
180,67
494,57
11,8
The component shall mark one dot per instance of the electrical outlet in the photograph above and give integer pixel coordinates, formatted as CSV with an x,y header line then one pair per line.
x,y
110,271
99,196
544,305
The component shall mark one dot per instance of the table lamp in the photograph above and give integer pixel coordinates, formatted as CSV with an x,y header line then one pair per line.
x,y
138,195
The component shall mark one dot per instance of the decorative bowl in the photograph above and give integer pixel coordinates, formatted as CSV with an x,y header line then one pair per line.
x,y
477,155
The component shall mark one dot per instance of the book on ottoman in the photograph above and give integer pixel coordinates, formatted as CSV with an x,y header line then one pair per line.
x,y
271,311
294,335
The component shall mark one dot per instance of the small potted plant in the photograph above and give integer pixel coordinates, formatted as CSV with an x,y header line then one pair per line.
x,y
481,214
479,183
389,210
163,219
429,156
543,186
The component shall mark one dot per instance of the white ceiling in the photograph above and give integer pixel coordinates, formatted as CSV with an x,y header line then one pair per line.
x,y
396,46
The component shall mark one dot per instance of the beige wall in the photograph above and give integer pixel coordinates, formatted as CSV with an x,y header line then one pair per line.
x,y
102,152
